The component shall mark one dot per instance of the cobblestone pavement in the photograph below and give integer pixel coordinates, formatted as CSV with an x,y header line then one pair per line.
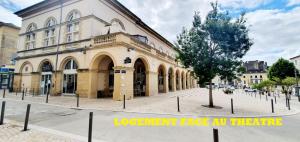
x,y
191,103
13,133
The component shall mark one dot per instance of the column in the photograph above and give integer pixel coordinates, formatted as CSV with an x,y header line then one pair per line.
x,y
123,83
152,83
82,82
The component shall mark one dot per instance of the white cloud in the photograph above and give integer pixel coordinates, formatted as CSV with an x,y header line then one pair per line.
x,y
8,17
25,3
275,34
293,2
236,4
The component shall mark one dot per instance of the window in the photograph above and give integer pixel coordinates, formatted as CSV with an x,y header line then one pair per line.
x,y
50,32
244,76
30,36
256,76
71,65
72,31
261,76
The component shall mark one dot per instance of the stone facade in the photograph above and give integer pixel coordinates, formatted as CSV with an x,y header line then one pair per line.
x,y
95,53
8,43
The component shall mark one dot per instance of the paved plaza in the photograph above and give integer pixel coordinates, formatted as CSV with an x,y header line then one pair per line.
x,y
60,120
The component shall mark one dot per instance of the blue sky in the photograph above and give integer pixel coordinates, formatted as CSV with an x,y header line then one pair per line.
x,y
272,22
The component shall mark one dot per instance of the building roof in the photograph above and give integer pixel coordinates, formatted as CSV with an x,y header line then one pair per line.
x,y
9,25
295,57
46,3
255,66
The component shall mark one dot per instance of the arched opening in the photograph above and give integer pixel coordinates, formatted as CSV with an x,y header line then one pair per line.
x,y
26,71
161,79
70,77
171,79
177,80
105,88
182,80
46,77
139,78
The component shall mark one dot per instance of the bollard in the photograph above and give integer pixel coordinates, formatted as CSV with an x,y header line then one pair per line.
x,y
178,105
25,91
33,92
286,101
47,96
255,94
216,135
4,91
90,127
272,105
2,113
124,101
275,99
232,112
27,117
77,96
289,105
23,94
266,97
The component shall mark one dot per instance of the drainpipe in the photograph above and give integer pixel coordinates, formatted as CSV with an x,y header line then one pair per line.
x,y
57,47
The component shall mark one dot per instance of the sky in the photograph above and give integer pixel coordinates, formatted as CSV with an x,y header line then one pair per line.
x,y
274,24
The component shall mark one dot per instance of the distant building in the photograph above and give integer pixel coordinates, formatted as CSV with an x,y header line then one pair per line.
x,y
296,61
256,72
9,34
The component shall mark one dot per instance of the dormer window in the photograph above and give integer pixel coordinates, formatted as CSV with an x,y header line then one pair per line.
x,y
30,36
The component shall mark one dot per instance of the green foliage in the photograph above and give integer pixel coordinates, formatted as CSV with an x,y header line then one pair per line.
x,y
257,86
268,84
215,46
287,84
281,70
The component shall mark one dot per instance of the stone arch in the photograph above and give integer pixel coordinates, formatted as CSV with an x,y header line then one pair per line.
x,y
42,63
102,76
65,60
162,78
26,70
171,79
31,27
119,22
74,11
48,20
141,79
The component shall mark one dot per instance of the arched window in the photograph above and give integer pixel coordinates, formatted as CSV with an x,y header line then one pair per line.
x,y
47,67
71,65
30,36
50,32
72,33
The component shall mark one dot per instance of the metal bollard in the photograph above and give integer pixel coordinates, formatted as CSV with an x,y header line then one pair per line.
x,y
272,105
33,92
232,112
23,94
47,96
216,135
178,105
275,99
27,117
4,91
77,97
25,91
124,102
90,127
266,97
289,105
2,113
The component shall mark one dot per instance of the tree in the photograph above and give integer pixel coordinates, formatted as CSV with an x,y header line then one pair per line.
x,y
281,70
214,47
268,85
287,84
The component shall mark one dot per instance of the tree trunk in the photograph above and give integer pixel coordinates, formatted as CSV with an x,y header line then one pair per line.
x,y
211,103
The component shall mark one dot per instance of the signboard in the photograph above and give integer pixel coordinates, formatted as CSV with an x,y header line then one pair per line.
x,y
127,60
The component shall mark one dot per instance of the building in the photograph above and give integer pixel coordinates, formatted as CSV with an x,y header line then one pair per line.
x,y
6,77
96,48
256,72
9,34
296,61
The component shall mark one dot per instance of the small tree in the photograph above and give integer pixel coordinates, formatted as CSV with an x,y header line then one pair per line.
x,y
214,47
268,85
287,84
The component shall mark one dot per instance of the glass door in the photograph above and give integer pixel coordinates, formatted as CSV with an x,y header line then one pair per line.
x,y
45,84
70,84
